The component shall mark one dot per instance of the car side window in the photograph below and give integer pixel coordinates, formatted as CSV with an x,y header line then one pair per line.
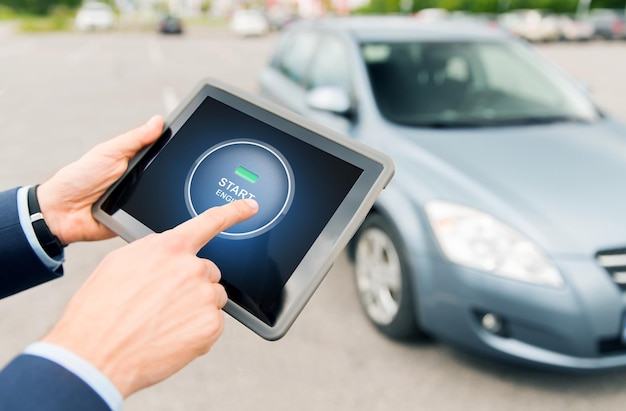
x,y
330,67
296,55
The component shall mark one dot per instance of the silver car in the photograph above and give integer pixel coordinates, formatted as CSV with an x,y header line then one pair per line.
x,y
95,15
504,229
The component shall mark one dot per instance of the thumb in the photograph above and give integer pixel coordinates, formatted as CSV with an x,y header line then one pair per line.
x,y
128,144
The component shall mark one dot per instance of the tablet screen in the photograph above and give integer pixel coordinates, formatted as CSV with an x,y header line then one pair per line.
x,y
220,154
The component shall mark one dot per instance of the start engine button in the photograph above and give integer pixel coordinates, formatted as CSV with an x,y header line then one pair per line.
x,y
240,169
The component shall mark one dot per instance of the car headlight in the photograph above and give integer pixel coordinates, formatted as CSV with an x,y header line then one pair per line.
x,y
475,239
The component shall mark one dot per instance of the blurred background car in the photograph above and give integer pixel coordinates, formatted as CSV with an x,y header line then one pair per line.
x,y
532,25
169,24
489,20
504,229
574,29
608,23
94,16
249,22
278,16
432,14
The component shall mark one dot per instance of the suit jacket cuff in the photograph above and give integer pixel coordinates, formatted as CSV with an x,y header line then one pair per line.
x,y
31,382
21,267
24,216
82,369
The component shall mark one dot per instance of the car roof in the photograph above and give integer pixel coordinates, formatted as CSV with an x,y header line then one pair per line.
x,y
396,28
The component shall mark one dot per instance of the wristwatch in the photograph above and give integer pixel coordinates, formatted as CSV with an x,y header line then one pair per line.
x,y
48,241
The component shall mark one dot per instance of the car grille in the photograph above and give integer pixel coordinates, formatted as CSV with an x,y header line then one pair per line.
x,y
614,261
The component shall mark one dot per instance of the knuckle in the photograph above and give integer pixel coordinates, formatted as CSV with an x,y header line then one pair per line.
x,y
209,294
193,268
221,295
213,271
213,295
173,242
212,328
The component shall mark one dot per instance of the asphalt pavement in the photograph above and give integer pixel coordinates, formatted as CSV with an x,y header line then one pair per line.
x,y
62,93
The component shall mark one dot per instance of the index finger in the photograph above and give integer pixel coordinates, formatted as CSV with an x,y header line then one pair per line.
x,y
201,229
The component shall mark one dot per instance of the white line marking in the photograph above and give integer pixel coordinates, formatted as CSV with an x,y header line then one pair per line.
x,y
156,53
170,99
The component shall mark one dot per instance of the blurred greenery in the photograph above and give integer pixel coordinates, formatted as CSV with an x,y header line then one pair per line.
x,y
38,7
37,15
205,20
58,18
483,6
6,13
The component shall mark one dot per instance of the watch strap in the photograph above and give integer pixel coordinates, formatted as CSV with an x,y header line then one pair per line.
x,y
48,241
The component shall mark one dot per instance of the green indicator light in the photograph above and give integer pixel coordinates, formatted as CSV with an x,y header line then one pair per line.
x,y
246,174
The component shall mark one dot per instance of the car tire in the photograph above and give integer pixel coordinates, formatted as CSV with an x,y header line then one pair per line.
x,y
383,281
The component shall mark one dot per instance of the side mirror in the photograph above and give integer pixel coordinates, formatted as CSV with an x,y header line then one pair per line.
x,y
332,99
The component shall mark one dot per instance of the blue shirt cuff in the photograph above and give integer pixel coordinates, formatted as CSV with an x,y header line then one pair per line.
x,y
27,227
82,369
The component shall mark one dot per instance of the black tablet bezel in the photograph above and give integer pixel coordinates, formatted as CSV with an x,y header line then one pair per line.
x,y
377,171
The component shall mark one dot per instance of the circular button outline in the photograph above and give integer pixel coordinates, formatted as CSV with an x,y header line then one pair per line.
x,y
283,161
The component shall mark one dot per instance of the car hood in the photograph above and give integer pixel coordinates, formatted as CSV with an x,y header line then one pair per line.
x,y
563,185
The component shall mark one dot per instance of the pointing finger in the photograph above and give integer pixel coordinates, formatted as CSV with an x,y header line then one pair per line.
x,y
201,229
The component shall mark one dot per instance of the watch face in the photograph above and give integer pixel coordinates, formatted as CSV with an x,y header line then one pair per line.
x,y
242,169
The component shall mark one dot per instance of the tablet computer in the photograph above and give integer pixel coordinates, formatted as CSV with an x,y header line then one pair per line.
x,y
314,187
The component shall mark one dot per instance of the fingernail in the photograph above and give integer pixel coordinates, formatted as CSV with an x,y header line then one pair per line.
x,y
252,203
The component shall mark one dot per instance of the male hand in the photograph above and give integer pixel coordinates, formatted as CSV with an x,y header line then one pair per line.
x,y
152,306
66,199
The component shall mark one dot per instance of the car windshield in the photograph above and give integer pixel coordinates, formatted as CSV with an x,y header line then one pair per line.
x,y
465,84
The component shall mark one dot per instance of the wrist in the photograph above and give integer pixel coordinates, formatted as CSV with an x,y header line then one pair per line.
x,y
50,243
118,373
50,212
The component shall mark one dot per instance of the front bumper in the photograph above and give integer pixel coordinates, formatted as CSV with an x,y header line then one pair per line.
x,y
576,327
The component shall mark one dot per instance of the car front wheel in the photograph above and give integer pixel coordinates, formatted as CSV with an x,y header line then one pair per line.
x,y
382,279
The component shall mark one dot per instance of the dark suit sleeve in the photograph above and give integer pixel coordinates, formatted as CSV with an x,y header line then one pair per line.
x,y
33,383
20,268
30,382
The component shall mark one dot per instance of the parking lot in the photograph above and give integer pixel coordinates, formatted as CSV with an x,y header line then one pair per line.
x,y
62,93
